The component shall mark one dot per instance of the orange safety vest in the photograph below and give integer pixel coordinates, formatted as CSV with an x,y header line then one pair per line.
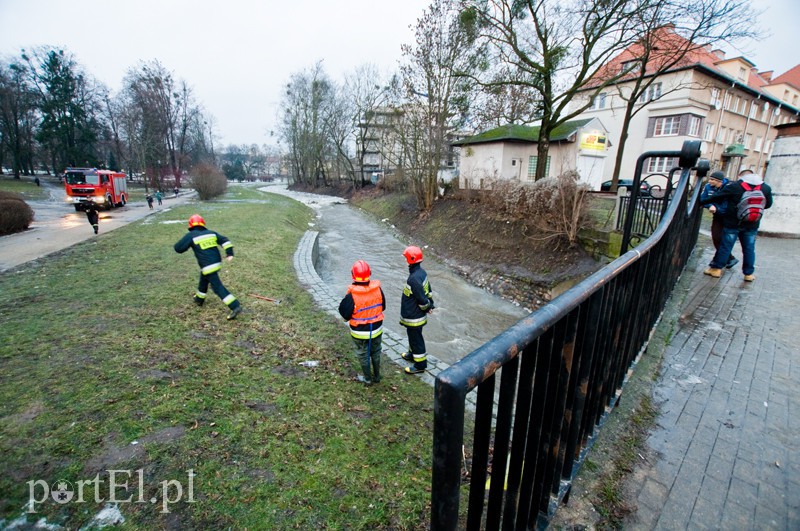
x,y
368,303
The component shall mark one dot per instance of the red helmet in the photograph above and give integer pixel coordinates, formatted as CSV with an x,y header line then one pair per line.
x,y
413,254
360,271
196,221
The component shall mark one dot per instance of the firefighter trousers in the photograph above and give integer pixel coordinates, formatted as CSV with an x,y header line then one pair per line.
x,y
216,284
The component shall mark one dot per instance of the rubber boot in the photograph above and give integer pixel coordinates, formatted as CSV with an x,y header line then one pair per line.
x,y
376,368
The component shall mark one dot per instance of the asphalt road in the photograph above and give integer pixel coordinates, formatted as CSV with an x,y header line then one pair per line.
x,y
57,225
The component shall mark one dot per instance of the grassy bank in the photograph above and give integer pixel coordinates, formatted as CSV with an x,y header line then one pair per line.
x,y
106,364
23,186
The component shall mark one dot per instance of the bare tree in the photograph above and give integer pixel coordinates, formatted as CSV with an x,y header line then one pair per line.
x,y
302,125
17,115
500,104
672,34
554,47
369,96
437,100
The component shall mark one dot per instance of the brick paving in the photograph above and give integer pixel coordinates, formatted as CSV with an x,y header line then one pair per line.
x,y
727,442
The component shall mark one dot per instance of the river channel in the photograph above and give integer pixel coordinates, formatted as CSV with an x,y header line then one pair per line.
x,y
465,316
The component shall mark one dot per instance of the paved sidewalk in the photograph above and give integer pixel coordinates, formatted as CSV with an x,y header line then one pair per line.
x,y
727,441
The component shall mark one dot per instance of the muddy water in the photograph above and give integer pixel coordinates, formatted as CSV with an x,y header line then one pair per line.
x,y
465,316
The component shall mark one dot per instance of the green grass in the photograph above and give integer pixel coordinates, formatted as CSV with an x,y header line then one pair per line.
x,y
23,186
101,346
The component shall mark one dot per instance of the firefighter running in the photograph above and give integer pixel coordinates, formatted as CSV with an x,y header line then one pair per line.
x,y
205,242
363,308
93,216
415,305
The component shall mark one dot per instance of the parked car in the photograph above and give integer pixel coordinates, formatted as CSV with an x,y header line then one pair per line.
x,y
627,183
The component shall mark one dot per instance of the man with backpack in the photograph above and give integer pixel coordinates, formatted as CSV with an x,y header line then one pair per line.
x,y
747,199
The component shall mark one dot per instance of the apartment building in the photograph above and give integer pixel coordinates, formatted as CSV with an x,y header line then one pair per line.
x,y
726,103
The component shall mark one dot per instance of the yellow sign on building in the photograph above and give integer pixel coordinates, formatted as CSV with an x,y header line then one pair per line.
x,y
593,141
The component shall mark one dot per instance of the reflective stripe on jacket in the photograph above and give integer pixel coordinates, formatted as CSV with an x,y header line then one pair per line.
x,y
368,309
205,243
417,299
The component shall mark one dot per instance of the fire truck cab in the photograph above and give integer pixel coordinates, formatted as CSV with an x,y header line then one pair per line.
x,y
89,185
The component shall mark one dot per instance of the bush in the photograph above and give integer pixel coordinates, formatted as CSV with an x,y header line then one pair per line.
x,y
209,181
15,214
556,207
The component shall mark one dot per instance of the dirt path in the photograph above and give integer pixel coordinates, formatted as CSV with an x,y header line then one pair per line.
x,y
57,226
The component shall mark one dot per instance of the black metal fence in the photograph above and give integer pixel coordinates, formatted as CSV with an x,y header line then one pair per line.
x,y
563,368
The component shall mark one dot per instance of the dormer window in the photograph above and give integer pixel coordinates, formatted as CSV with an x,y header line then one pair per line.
x,y
743,74
631,67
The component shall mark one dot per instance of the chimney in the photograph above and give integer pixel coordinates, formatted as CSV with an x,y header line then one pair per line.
x,y
719,53
767,75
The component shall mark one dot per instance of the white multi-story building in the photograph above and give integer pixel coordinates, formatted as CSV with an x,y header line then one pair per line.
x,y
725,103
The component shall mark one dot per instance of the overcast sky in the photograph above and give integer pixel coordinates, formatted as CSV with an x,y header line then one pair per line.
x,y
238,54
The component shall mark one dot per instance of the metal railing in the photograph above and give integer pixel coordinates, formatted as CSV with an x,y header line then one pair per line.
x,y
563,368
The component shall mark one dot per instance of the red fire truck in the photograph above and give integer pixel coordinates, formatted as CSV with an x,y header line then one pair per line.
x,y
90,185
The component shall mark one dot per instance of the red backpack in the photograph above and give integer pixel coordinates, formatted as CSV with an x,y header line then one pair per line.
x,y
751,205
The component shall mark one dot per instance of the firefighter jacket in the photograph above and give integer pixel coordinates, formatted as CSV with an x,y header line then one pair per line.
x,y
204,243
363,308
417,300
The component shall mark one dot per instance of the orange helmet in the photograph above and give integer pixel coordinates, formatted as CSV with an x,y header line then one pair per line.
x,y
413,254
196,221
360,271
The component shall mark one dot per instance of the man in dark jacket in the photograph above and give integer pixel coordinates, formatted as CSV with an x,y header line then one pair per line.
x,y
204,243
415,305
716,182
733,228
363,308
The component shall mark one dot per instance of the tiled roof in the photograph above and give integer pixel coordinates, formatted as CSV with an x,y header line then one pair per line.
x,y
665,39
792,77
523,133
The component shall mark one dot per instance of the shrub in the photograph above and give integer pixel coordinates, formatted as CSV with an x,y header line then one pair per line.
x,y
209,181
556,207
15,214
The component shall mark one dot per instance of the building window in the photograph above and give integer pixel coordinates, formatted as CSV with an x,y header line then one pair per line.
x,y
709,133
533,162
753,110
743,108
759,141
748,139
766,146
765,114
715,102
743,74
694,126
599,101
736,105
631,67
721,135
661,164
667,126
794,100
653,92
728,101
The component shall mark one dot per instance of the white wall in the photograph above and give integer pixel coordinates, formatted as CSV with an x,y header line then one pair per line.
x,y
783,176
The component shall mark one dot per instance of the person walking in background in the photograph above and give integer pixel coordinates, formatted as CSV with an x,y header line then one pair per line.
x,y
149,199
363,308
205,242
93,216
740,221
159,197
716,181
415,305
176,191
